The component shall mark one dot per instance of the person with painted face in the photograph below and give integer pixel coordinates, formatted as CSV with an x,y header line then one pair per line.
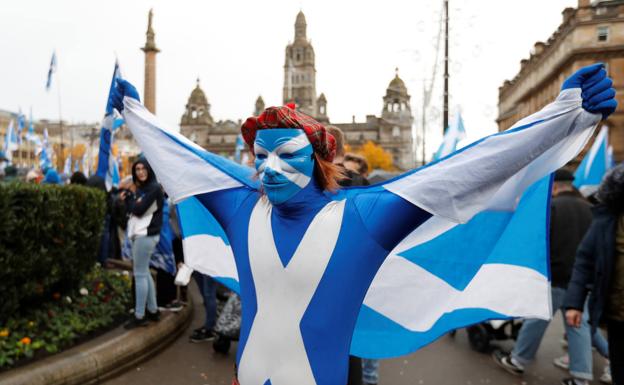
x,y
145,208
303,274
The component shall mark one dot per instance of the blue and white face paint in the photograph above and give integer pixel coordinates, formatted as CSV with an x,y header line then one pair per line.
x,y
284,162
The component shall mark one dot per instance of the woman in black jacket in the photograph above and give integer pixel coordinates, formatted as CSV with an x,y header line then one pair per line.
x,y
145,209
599,266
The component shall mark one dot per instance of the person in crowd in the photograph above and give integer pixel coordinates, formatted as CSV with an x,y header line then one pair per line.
x,y
78,178
208,289
356,163
163,261
51,177
144,226
599,265
296,249
33,176
569,220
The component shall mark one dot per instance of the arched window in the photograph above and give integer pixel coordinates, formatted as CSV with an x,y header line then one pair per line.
x,y
193,113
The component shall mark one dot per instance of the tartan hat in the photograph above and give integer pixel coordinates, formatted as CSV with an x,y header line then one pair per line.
x,y
322,141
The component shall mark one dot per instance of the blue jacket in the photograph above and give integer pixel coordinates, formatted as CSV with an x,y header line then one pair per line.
x,y
593,266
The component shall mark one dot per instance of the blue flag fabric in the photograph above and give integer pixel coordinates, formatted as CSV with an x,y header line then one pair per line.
x,y
595,164
107,167
509,250
478,194
51,71
452,136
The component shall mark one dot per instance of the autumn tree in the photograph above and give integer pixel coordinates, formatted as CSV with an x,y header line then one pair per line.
x,y
376,156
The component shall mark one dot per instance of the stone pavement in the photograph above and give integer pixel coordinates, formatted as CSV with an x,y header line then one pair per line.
x,y
448,361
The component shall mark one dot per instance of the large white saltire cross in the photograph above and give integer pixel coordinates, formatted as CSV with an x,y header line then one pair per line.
x,y
274,349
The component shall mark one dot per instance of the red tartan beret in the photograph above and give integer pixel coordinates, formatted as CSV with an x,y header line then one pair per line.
x,y
322,141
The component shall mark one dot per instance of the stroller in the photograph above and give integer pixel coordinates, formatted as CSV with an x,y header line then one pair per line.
x,y
227,327
481,335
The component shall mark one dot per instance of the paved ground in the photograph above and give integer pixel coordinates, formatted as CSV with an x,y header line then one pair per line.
x,y
449,361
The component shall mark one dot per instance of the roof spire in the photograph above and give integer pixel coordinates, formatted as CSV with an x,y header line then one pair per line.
x,y
300,26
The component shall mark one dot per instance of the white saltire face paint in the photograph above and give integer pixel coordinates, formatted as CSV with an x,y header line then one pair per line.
x,y
284,161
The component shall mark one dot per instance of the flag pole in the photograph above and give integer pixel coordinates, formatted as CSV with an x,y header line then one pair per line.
x,y
60,158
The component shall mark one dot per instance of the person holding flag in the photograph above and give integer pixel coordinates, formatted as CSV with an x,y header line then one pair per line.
x,y
303,275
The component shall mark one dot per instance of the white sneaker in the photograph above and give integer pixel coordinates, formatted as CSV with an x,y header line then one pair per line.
x,y
562,362
605,378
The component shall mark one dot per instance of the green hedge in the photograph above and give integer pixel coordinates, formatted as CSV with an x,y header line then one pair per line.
x,y
49,238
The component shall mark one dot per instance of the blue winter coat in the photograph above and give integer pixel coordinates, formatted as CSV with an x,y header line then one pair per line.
x,y
593,266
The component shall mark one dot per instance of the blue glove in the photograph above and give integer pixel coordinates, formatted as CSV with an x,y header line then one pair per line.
x,y
123,88
596,89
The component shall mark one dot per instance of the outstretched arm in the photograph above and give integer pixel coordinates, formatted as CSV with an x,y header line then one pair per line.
x,y
493,172
183,168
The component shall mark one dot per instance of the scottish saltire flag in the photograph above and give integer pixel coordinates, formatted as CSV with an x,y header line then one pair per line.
x,y
51,71
595,164
31,136
45,152
67,167
77,165
20,126
107,167
240,145
454,133
482,194
10,142
163,257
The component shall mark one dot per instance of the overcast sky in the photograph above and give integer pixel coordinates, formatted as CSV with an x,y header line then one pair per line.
x,y
237,50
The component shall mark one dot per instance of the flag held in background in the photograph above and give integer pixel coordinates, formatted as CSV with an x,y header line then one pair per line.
x,y
10,142
107,167
453,135
595,165
51,71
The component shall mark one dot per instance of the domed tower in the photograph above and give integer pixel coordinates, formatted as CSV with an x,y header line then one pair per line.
x,y
299,70
397,101
196,120
396,123
259,106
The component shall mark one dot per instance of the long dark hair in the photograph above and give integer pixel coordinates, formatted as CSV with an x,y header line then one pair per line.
x,y
150,173
611,190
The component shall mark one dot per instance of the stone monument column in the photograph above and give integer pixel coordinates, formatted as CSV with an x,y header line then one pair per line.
x,y
149,92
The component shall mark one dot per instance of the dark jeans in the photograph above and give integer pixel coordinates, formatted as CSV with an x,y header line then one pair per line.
x,y
355,371
166,290
615,329
208,289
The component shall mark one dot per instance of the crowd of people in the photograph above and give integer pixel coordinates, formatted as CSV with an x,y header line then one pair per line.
x,y
587,273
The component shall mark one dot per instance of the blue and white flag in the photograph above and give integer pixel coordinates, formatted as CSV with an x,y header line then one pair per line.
x,y
595,165
51,71
240,145
31,136
10,142
45,152
85,165
67,167
107,167
163,257
20,126
491,197
452,136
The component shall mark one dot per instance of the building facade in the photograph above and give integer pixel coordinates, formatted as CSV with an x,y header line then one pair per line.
x,y
392,130
198,125
592,32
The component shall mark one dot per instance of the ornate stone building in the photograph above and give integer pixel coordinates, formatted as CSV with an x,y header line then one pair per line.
x,y
592,32
198,125
392,131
